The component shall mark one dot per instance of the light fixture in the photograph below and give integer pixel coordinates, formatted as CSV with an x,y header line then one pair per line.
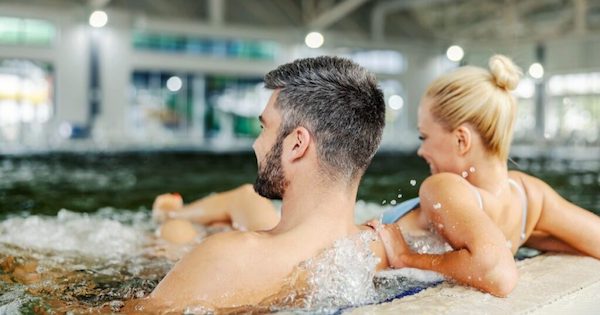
x,y
174,84
536,70
98,19
396,102
314,40
455,53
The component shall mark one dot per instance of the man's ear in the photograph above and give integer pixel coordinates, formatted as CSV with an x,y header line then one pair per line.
x,y
301,139
464,139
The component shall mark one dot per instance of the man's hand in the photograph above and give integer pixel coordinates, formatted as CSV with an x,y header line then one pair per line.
x,y
164,205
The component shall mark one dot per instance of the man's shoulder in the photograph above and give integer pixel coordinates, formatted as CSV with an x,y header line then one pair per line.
x,y
228,241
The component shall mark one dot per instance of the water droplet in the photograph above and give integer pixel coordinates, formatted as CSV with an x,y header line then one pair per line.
x,y
437,206
383,202
441,226
523,236
413,182
393,202
465,174
399,195
472,169
509,244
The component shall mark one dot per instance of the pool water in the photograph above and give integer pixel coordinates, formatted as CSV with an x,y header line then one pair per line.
x,y
76,234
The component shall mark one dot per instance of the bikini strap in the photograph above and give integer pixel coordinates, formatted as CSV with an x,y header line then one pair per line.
x,y
523,206
478,195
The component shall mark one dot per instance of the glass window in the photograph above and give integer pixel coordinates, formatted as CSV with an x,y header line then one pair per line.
x,y
221,48
17,31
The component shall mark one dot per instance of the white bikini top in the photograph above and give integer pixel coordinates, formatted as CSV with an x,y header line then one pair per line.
x,y
523,204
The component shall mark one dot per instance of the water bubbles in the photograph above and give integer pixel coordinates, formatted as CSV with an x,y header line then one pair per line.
x,y
341,275
465,174
437,206
440,226
472,169
393,202
383,202
399,195
413,182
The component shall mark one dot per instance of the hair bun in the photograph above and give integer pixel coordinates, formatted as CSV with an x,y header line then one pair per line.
x,y
505,72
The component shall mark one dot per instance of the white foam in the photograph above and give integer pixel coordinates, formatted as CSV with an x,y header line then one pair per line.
x,y
91,235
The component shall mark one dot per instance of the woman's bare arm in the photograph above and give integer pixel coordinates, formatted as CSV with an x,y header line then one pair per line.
x,y
481,257
242,207
572,225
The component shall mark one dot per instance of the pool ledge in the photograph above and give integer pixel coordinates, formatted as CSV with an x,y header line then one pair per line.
x,y
548,284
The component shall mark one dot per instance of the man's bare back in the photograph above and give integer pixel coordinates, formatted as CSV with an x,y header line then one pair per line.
x,y
321,127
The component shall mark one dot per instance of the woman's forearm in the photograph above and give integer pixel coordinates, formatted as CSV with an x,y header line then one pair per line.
x,y
496,275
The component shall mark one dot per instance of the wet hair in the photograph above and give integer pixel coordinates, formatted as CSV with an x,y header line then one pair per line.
x,y
339,103
481,98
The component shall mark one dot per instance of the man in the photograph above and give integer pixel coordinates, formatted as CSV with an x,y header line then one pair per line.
x,y
321,128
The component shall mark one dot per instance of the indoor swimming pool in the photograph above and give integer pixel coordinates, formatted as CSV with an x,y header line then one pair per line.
x,y
76,231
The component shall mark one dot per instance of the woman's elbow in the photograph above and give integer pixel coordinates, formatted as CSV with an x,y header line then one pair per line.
x,y
500,275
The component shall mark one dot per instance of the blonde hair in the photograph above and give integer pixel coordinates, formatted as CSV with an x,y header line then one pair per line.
x,y
481,98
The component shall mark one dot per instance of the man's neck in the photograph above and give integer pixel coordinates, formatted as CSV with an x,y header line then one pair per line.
x,y
325,207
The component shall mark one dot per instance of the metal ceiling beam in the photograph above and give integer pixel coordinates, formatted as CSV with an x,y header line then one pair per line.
x,y
581,7
216,11
98,4
336,13
382,10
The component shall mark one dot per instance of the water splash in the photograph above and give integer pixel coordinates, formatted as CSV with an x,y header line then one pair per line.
x,y
82,234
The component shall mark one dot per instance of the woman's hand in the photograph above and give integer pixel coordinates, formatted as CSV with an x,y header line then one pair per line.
x,y
164,205
393,242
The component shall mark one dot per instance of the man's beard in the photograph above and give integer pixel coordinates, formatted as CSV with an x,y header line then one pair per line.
x,y
270,182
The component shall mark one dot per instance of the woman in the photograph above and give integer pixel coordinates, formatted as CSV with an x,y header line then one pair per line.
x,y
241,208
483,211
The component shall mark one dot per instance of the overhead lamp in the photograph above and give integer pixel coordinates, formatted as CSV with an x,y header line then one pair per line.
x,y
174,84
455,53
314,40
536,70
98,19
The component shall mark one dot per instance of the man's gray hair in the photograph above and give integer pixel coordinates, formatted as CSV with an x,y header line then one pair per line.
x,y
340,104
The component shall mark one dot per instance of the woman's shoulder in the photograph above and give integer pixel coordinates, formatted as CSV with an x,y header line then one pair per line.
x,y
450,188
534,188
445,179
528,182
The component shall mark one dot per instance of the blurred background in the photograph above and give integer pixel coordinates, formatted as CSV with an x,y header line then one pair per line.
x,y
129,82
153,74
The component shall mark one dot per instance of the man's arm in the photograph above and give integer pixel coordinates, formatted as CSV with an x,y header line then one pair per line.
x,y
222,271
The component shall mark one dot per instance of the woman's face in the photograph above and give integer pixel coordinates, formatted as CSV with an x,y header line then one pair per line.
x,y
439,147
